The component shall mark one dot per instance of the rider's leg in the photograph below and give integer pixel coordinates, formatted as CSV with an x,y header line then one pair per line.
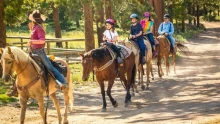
x,y
172,41
115,49
142,47
60,78
151,39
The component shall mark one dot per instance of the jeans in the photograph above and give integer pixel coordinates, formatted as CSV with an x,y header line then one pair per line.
x,y
141,45
41,53
172,40
116,49
151,38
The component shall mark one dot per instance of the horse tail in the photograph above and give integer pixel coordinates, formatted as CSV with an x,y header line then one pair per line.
x,y
183,49
70,92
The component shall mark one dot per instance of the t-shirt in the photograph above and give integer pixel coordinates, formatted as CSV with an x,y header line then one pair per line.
x,y
146,25
37,33
110,35
136,29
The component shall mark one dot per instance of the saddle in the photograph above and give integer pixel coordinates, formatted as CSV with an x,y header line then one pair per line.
x,y
36,61
124,51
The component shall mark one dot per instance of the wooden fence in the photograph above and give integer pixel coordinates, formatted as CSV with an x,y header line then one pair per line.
x,y
64,52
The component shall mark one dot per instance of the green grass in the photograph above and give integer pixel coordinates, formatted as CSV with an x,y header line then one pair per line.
x,y
3,97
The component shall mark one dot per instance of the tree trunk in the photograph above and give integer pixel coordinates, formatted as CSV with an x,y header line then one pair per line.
x,y
56,21
2,25
183,18
108,9
194,18
77,23
100,22
189,12
88,23
197,14
160,11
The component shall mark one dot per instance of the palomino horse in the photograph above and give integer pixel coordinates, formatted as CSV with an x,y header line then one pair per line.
x,y
164,51
30,83
131,45
103,61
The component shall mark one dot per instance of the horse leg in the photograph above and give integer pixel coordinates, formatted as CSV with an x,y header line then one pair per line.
x,y
40,100
102,87
148,74
167,64
151,70
66,100
23,104
57,106
129,82
141,69
174,62
159,66
114,102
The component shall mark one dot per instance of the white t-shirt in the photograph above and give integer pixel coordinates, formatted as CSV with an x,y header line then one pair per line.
x,y
110,35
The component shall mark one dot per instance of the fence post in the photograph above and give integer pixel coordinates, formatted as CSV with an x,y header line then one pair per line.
x,y
48,48
66,43
22,43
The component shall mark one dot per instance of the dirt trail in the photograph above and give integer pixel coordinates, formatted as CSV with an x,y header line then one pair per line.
x,y
191,96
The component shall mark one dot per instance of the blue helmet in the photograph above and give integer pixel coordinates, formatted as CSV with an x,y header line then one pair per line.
x,y
134,16
166,16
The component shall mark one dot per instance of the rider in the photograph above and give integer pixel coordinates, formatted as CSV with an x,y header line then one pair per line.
x,y
147,25
37,43
166,28
136,33
111,36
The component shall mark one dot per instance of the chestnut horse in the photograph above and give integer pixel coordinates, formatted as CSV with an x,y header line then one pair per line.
x,y
139,67
30,83
163,50
103,61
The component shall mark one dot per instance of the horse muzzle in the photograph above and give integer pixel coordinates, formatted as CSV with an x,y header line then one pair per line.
x,y
6,77
85,78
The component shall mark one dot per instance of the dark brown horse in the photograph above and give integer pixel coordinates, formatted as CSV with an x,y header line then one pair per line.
x,y
163,50
103,61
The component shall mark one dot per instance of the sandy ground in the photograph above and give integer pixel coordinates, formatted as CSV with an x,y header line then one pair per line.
x,y
189,97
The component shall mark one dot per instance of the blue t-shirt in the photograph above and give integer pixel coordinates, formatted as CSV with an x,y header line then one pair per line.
x,y
136,29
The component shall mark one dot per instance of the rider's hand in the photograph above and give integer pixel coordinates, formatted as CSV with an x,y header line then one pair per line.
x,y
166,34
132,36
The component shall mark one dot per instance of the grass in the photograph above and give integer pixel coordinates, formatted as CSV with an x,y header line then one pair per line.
x,y
3,97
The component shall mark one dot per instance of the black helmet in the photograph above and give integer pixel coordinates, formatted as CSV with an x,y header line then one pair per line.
x,y
166,16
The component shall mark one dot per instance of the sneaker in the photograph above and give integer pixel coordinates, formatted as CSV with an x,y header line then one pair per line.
x,y
143,61
155,54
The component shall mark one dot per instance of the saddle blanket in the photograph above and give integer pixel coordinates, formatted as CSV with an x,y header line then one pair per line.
x,y
125,52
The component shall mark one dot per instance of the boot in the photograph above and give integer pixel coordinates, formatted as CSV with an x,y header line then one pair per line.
x,y
61,85
171,49
154,51
12,91
120,61
143,61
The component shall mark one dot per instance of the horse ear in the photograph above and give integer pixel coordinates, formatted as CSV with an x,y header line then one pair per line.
x,y
82,55
9,50
1,50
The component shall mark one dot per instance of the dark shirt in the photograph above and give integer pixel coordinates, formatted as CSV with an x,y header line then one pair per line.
x,y
136,29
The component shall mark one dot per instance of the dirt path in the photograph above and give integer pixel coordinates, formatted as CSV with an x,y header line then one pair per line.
x,y
190,96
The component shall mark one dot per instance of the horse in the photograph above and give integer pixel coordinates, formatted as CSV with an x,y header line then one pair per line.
x,y
102,61
139,67
163,50
30,83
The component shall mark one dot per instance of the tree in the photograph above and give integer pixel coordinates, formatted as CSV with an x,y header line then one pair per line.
x,y
159,9
88,23
2,25
108,9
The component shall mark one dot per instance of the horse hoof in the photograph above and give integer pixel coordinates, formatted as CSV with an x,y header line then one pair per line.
x,y
115,105
133,94
152,78
142,87
126,105
66,122
137,91
147,88
103,110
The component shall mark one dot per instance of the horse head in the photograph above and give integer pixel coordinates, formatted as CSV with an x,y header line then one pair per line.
x,y
86,64
7,62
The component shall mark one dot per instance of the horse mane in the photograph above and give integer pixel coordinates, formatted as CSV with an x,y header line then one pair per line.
x,y
19,54
99,54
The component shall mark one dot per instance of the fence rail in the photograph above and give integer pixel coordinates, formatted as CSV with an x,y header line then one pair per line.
x,y
66,51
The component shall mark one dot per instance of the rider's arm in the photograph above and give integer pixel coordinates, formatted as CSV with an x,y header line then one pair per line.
x,y
39,33
171,29
141,31
160,29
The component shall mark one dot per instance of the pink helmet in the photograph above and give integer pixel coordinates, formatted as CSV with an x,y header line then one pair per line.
x,y
110,21
146,14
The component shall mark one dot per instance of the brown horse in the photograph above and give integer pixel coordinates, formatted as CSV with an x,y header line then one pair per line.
x,y
163,50
139,67
103,61
30,82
